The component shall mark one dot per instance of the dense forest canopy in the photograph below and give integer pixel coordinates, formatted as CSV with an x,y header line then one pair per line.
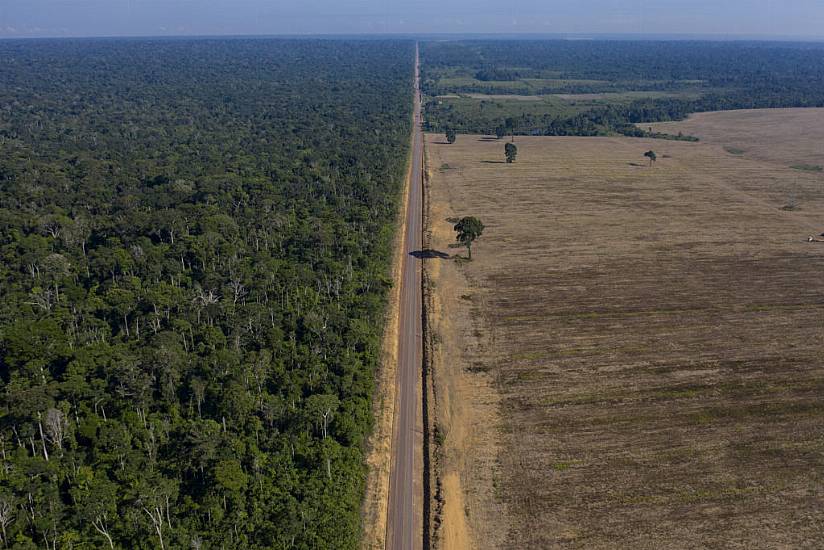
x,y
195,242
721,75
715,62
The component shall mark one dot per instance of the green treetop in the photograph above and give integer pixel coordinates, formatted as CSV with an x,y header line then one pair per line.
x,y
468,228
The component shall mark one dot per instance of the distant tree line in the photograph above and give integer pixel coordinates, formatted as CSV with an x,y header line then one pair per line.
x,y
737,75
713,64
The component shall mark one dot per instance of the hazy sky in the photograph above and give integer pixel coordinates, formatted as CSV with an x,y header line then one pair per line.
x,y
19,18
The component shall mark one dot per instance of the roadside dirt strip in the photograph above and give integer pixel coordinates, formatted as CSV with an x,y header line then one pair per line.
x,y
405,525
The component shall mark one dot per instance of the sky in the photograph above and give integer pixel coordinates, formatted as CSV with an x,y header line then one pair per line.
x,y
722,18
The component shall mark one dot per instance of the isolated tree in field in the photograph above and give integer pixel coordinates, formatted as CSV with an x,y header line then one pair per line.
x,y
651,156
511,151
500,132
451,136
510,126
468,228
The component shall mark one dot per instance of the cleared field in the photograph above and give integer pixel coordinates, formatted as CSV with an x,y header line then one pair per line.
x,y
460,82
791,137
491,110
512,97
483,112
635,357
627,97
596,99
525,84
498,105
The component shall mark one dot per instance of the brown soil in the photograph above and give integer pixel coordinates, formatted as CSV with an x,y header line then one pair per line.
x,y
783,136
465,457
635,356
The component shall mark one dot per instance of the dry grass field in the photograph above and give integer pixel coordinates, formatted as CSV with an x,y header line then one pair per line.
x,y
635,356
785,136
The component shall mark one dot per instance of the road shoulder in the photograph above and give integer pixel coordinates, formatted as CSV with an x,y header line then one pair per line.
x,y
379,445
464,405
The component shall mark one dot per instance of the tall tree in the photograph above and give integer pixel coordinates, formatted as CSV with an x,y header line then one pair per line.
x,y
450,135
511,151
468,229
651,156
510,124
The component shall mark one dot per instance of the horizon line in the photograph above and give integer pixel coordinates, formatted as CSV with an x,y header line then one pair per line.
x,y
663,37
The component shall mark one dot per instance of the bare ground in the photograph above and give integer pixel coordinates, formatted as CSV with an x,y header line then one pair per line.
x,y
784,136
466,457
635,358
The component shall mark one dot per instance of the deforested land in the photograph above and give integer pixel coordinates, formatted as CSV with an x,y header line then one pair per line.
x,y
602,87
634,356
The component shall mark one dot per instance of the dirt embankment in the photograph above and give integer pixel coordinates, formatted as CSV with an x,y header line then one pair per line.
x,y
463,459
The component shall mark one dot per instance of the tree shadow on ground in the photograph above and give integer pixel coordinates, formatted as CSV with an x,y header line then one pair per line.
x,y
488,138
494,161
429,254
441,143
636,164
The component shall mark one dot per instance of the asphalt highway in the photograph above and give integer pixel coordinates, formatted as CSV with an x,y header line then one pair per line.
x,y
404,530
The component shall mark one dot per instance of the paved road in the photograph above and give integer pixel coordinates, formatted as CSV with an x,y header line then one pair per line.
x,y
404,529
